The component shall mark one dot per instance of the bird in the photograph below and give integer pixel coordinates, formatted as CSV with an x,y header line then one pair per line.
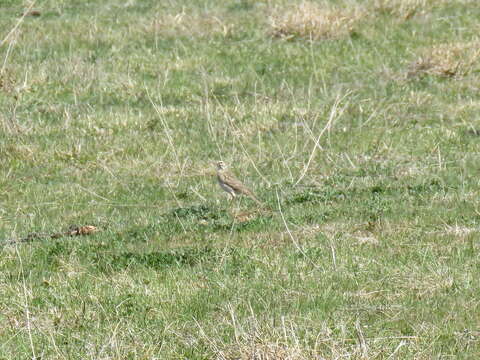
x,y
232,185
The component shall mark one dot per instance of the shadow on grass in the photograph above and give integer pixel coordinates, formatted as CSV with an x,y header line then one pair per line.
x,y
154,260
227,260
203,219
331,194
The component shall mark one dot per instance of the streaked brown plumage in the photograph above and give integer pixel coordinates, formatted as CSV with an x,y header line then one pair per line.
x,y
231,184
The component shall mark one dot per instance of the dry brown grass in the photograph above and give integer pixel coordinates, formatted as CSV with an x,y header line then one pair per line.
x,y
184,24
446,60
313,21
406,9
260,351
7,82
457,231
427,283
402,9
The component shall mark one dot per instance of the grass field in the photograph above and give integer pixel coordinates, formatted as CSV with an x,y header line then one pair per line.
x,y
356,122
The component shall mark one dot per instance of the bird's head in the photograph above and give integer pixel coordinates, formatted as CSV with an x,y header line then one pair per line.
x,y
221,165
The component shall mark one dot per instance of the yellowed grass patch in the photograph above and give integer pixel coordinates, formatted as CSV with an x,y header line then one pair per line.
x,y
446,60
191,25
406,9
457,231
402,9
264,352
313,21
431,284
7,82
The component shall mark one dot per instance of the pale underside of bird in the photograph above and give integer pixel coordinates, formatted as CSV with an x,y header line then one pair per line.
x,y
231,185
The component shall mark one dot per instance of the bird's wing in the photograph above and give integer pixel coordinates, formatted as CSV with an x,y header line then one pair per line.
x,y
235,184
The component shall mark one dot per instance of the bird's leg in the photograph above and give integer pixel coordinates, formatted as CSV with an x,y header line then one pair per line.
x,y
232,197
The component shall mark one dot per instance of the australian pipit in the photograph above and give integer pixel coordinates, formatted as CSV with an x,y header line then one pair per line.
x,y
231,184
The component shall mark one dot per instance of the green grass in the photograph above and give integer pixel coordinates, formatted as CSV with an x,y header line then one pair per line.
x,y
113,114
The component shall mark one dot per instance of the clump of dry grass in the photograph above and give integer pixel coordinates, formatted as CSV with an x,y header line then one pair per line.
x,y
402,9
191,25
313,21
406,9
7,82
446,60
270,351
